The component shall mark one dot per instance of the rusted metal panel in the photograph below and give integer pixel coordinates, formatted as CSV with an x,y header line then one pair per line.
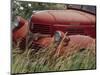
x,y
71,21
21,30
42,18
63,17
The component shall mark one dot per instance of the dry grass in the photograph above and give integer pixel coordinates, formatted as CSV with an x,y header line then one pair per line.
x,y
75,56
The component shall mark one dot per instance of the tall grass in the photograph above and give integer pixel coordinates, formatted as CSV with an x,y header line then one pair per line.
x,y
44,60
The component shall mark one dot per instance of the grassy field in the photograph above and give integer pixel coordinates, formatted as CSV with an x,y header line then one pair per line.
x,y
45,59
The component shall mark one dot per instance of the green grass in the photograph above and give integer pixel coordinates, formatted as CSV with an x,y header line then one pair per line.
x,y
45,60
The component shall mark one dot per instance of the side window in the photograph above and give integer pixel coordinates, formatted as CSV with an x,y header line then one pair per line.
x,y
91,9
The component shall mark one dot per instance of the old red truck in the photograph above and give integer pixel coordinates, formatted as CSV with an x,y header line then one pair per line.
x,y
48,22
71,21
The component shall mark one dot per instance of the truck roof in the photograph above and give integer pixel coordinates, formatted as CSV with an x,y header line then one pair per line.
x,y
69,17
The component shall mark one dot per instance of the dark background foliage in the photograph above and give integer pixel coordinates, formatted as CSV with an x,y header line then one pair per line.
x,y
24,8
